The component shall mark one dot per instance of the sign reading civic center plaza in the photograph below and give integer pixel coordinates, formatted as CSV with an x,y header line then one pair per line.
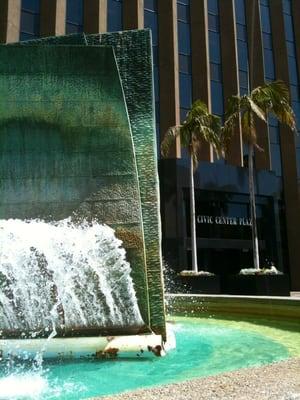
x,y
219,220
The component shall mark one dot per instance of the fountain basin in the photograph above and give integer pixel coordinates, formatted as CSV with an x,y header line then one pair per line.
x,y
205,346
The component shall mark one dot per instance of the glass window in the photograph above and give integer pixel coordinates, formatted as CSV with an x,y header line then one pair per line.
x,y
215,72
114,15
293,70
273,121
243,55
217,98
265,19
241,32
156,83
214,47
276,159
31,5
240,12
30,20
151,22
243,91
269,64
150,5
287,7
183,114
185,64
288,26
183,13
185,90
291,49
213,22
243,79
267,41
74,22
29,23
274,134
184,42
213,6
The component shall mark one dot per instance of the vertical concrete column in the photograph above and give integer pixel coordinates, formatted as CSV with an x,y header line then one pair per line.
x,y
200,62
53,17
10,15
95,16
168,69
133,14
288,150
257,77
230,72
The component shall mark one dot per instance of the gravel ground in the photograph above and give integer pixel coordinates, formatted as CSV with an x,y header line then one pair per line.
x,y
278,381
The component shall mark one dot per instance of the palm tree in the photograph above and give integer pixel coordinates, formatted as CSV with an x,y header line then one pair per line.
x,y
200,126
269,98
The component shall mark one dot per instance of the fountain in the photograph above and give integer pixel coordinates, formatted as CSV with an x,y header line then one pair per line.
x,y
79,219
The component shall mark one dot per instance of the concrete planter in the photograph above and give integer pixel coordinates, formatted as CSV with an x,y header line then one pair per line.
x,y
201,284
256,285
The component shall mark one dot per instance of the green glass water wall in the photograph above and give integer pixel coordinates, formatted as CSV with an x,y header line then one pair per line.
x,y
113,132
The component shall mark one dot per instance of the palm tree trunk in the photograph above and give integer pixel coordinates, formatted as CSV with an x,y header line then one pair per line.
x,y
253,209
193,219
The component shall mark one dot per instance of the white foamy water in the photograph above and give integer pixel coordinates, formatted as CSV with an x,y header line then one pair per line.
x,y
15,387
34,386
63,275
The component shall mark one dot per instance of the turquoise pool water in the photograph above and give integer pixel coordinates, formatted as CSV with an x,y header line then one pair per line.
x,y
204,347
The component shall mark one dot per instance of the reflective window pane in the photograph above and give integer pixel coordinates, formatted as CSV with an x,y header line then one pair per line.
x,y
241,32
274,134
31,5
184,40
215,72
293,70
269,64
288,26
265,19
30,20
183,13
267,41
276,159
291,49
217,98
114,16
150,5
183,114
240,12
243,55
185,64
75,11
243,79
213,6
151,21
287,6
214,48
185,90
213,22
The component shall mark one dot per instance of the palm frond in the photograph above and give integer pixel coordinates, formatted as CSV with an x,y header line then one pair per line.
x,y
232,116
169,139
274,97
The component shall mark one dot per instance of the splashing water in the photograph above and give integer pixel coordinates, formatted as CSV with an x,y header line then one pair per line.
x,y
63,275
